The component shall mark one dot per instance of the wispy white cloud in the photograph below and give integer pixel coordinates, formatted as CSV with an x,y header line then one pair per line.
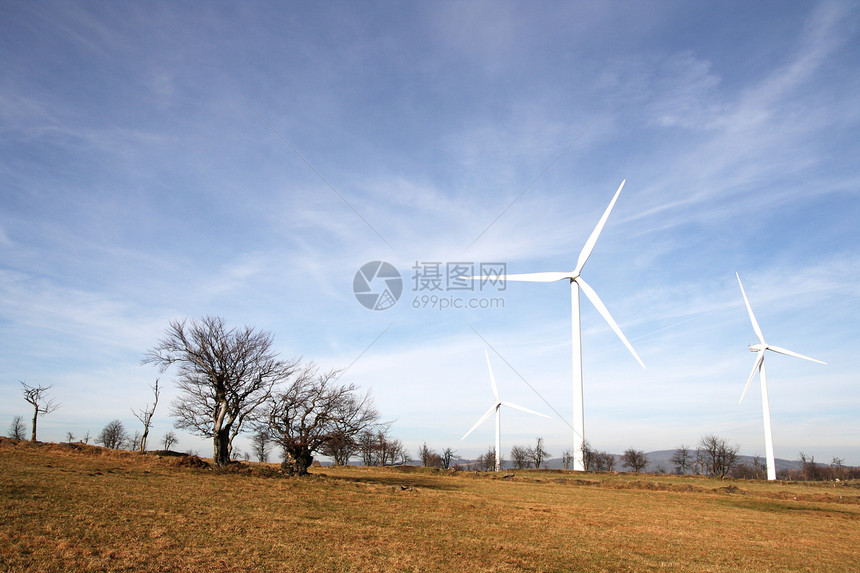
x,y
143,187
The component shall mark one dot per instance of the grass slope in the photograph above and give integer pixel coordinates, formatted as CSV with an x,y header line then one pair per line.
x,y
76,508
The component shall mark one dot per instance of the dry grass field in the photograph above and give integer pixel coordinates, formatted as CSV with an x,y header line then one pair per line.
x,y
76,508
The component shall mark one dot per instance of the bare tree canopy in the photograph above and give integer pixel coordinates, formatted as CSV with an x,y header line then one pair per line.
x,y
567,458
113,436
37,397
379,448
169,440
520,457
429,458
634,459
313,411
681,459
260,441
17,429
224,375
538,454
718,455
447,456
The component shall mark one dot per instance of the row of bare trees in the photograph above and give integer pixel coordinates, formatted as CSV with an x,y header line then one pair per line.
x,y
713,456
525,457
430,459
231,380
595,461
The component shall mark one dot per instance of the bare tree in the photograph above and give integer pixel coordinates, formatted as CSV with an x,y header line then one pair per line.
x,y
86,438
145,416
566,459
743,471
113,436
718,455
340,447
224,375
837,467
681,459
70,437
634,459
447,456
379,448
367,447
809,468
260,441
605,462
759,468
589,456
401,454
538,454
699,463
169,440
608,461
134,442
520,457
313,408
428,457
37,397
486,462
391,450
17,429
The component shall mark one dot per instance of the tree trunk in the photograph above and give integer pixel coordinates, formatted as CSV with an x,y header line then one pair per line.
x,y
297,460
143,438
221,455
35,417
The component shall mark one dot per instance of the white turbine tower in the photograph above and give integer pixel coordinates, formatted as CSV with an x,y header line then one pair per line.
x,y
577,282
496,407
758,366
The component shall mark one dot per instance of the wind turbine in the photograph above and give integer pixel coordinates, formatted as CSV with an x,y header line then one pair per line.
x,y
758,366
577,282
496,407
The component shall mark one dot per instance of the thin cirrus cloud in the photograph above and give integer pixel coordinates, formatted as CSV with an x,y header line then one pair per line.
x,y
161,164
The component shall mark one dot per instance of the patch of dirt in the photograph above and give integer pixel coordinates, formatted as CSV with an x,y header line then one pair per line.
x,y
190,462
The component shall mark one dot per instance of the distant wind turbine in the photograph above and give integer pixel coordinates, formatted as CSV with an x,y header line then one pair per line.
x,y
577,282
758,366
496,407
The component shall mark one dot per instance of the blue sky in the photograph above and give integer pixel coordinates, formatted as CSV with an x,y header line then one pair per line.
x,y
166,160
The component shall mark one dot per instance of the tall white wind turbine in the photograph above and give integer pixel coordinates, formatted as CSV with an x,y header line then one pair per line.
x,y
758,366
577,282
496,407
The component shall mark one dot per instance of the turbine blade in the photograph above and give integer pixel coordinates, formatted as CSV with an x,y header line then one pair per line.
x,y
749,309
601,308
592,239
547,277
795,354
758,362
515,406
481,421
492,378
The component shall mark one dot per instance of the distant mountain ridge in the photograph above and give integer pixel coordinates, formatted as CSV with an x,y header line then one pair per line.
x,y
657,460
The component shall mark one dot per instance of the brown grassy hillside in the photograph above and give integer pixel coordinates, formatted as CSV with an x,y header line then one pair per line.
x,y
74,508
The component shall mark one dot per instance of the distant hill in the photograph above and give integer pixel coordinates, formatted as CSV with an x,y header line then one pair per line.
x,y
657,460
